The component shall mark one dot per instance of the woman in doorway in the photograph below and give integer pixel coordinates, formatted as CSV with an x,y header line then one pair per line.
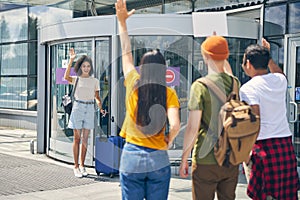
x,y
83,111
145,169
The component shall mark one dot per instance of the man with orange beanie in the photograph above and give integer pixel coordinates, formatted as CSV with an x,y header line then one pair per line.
x,y
208,177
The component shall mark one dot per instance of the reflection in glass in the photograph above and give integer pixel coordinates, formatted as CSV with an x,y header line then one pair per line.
x,y
150,10
294,16
41,13
31,94
202,4
14,59
32,58
17,65
14,25
103,73
297,100
11,92
275,20
32,26
297,78
178,6
277,51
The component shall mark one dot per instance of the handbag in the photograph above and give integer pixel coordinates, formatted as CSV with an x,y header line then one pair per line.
x,y
67,100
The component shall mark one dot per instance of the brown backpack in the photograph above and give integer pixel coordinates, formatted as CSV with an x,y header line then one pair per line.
x,y
239,127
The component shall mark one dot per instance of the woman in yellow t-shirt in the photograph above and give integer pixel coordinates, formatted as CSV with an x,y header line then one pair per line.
x,y
145,169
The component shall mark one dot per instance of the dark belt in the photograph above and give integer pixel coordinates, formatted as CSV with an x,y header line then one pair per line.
x,y
85,102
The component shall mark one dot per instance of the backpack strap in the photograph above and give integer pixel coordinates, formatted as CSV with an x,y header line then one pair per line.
x,y
214,88
221,94
212,137
235,88
73,91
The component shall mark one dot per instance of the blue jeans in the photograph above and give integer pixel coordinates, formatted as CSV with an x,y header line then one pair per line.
x,y
82,116
144,173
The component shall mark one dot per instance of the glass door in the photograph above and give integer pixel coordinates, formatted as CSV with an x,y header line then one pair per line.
x,y
103,73
292,69
184,59
61,137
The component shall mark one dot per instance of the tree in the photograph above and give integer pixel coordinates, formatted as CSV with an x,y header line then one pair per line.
x,y
4,30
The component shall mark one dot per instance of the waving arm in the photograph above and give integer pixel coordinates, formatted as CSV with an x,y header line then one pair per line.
x,y
122,15
68,70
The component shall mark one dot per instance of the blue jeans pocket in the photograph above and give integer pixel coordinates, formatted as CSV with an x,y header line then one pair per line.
x,y
136,159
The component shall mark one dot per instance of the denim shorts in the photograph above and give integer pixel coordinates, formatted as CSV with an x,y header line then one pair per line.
x,y
82,116
144,173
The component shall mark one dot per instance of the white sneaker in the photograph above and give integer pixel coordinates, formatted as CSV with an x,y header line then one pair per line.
x,y
77,173
83,171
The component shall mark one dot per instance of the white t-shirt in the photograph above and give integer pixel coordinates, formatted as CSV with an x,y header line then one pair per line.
x,y
86,88
269,92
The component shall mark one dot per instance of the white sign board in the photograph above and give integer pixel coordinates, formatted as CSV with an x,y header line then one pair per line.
x,y
64,63
205,23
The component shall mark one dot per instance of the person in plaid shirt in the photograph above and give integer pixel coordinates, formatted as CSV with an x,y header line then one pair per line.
x,y
273,161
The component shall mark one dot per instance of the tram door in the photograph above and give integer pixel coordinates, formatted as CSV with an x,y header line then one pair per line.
x,y
61,137
103,73
292,70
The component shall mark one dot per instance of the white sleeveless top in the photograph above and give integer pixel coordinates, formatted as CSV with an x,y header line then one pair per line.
x,y
86,88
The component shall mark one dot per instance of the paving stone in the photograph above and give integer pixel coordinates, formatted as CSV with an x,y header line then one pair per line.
x,y
20,175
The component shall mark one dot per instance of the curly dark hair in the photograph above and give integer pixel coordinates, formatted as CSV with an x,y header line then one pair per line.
x,y
82,59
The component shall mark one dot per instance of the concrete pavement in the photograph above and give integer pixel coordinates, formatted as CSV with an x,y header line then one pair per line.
x,y
26,176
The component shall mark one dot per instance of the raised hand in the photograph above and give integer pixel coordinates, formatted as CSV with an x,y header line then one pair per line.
x,y
122,15
265,43
72,54
121,10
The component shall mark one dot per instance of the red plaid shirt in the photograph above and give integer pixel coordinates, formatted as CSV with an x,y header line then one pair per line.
x,y
274,170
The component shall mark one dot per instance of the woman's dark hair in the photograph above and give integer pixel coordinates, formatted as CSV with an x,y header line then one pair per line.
x,y
258,56
82,59
151,111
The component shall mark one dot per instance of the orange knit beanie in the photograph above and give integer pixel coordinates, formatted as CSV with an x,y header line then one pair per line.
x,y
216,47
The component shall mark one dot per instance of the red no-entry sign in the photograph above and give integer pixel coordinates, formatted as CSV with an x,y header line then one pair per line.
x,y
170,76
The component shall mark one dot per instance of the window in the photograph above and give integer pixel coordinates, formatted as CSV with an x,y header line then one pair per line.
x,y
294,16
13,25
14,59
277,50
11,90
275,20
18,60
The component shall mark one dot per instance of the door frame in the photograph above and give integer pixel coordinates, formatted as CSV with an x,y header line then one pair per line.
x,y
291,42
64,146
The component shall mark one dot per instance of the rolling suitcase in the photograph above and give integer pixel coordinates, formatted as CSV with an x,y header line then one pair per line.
x,y
107,154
